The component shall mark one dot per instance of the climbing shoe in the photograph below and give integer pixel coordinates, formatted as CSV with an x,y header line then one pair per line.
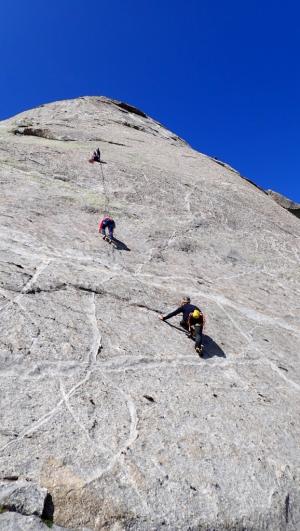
x,y
199,350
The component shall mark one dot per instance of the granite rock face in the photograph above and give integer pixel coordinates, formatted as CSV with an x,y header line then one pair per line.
x,y
11,521
22,497
103,405
291,206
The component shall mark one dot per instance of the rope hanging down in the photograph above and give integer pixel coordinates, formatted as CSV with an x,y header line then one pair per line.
x,y
96,157
105,192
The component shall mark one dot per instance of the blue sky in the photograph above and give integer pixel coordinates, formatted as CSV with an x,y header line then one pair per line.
x,y
224,75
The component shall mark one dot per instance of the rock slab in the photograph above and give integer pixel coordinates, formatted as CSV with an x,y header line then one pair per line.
x,y
103,405
11,521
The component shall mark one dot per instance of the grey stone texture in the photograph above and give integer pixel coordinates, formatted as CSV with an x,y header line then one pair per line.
x,y
285,202
105,406
22,496
11,521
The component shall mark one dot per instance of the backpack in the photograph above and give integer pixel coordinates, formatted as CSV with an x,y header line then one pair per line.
x,y
200,319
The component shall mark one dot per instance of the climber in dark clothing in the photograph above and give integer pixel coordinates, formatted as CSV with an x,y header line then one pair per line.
x,y
96,157
186,308
192,321
195,324
195,318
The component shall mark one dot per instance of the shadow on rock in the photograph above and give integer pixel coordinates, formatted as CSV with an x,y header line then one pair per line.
x,y
48,510
211,348
121,246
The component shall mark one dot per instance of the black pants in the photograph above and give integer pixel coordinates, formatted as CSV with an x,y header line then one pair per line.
x,y
198,336
198,332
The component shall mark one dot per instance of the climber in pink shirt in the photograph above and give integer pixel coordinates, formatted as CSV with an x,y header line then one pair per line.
x,y
107,223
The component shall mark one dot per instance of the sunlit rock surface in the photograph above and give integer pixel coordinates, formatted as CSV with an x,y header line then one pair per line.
x,y
291,206
102,404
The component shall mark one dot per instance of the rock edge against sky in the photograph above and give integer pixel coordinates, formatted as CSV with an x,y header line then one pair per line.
x,y
105,409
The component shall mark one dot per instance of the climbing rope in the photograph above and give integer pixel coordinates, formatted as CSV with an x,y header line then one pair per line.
x,y
96,157
105,192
